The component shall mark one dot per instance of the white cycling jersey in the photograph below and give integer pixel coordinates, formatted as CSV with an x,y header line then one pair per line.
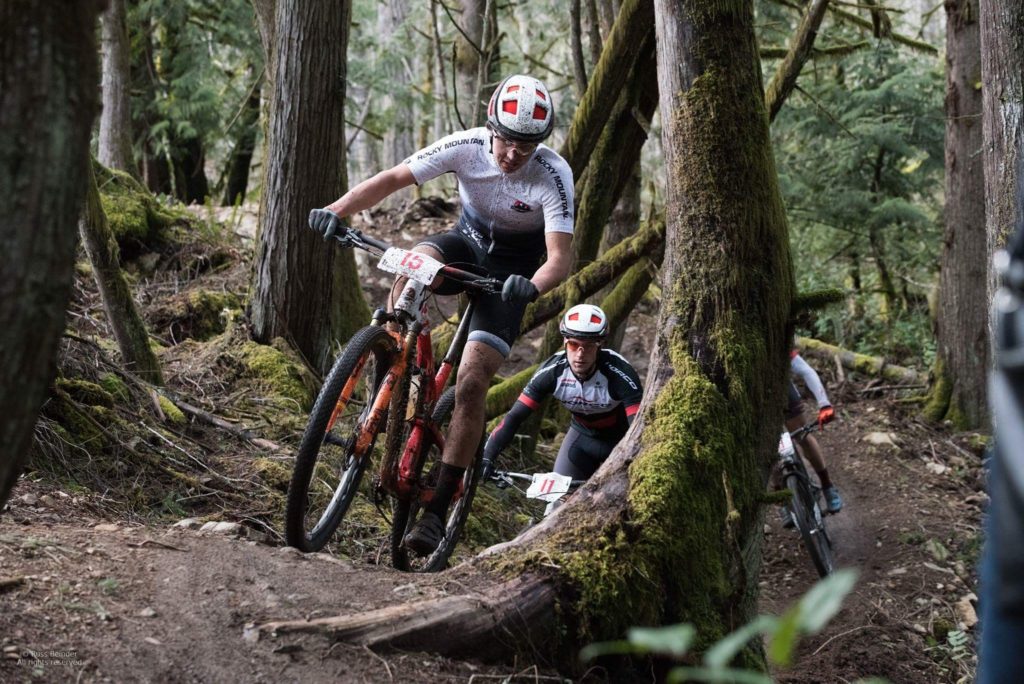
x,y
536,196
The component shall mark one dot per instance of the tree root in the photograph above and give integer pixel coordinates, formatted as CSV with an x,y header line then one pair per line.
x,y
481,625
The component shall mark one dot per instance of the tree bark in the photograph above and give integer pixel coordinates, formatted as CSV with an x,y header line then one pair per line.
x,y
669,528
961,371
49,82
304,290
1002,74
621,53
122,316
579,67
799,52
476,64
115,140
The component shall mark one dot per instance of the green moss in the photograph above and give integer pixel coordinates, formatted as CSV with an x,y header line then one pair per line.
x,y
85,392
274,473
79,427
116,387
209,311
133,213
939,396
278,369
171,412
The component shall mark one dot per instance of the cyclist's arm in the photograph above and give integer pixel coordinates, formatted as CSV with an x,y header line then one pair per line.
x,y
506,430
556,267
624,383
372,190
810,379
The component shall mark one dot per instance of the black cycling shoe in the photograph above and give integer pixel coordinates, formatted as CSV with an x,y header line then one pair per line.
x,y
425,535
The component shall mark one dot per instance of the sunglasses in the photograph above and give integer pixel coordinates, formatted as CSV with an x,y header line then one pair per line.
x,y
577,345
521,148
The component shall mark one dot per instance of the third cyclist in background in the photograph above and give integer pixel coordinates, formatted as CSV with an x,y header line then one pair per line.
x,y
598,386
795,419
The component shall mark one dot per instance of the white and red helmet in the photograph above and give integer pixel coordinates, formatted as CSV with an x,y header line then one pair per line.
x,y
584,322
521,110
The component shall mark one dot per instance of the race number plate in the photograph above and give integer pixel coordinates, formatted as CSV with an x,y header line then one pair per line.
x,y
548,486
412,265
785,443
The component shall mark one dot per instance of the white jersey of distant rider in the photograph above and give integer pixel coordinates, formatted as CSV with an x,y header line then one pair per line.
x,y
537,195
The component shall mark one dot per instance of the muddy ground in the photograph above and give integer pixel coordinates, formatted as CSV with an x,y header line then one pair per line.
x,y
97,588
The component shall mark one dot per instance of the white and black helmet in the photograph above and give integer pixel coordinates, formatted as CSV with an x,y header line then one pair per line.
x,y
584,322
521,110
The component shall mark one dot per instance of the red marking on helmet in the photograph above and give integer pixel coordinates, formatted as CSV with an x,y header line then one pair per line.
x,y
539,112
541,94
509,106
490,107
574,317
512,89
595,318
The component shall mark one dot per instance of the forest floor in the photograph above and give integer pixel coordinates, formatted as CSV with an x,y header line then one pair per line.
x,y
101,581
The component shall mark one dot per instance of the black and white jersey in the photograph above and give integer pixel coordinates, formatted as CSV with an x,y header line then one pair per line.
x,y
600,404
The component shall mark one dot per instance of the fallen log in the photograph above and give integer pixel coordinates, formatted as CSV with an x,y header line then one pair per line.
x,y
861,363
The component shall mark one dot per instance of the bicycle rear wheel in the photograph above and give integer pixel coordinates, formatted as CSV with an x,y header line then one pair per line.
x,y
406,513
327,471
809,521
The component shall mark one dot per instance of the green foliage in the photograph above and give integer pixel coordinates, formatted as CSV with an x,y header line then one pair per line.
x,y
808,616
194,63
860,161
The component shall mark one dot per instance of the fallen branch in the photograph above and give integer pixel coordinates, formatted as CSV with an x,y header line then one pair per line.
x,y
11,582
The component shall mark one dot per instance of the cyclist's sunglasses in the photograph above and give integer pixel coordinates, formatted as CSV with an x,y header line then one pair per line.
x,y
574,345
522,148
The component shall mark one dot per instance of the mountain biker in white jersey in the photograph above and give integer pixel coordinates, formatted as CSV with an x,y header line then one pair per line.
x,y
599,387
795,420
517,205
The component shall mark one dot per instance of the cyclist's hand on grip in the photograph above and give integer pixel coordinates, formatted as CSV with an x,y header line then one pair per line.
x,y
488,470
518,289
826,414
325,222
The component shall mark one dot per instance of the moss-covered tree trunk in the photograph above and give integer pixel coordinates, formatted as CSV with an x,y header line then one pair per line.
x,y
49,82
800,46
476,60
669,528
304,290
619,57
122,316
959,393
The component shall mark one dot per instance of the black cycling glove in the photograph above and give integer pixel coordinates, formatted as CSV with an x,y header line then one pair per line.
x,y
325,222
518,289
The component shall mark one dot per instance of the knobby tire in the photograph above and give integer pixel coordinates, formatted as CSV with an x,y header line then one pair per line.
x,y
407,512
371,340
814,537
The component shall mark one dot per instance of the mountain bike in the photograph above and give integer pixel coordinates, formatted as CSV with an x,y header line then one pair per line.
x,y
803,507
385,382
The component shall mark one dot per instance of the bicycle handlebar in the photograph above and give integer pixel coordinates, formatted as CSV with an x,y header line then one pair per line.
x,y
356,238
507,476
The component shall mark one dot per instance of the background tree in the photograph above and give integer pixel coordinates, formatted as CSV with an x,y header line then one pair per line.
x,y
961,365
304,290
48,88
1002,72
115,140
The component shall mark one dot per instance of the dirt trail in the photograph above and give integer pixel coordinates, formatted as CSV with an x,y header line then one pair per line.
x,y
134,603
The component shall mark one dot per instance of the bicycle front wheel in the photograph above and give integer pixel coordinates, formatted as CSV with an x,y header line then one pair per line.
x,y
809,521
406,513
327,469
